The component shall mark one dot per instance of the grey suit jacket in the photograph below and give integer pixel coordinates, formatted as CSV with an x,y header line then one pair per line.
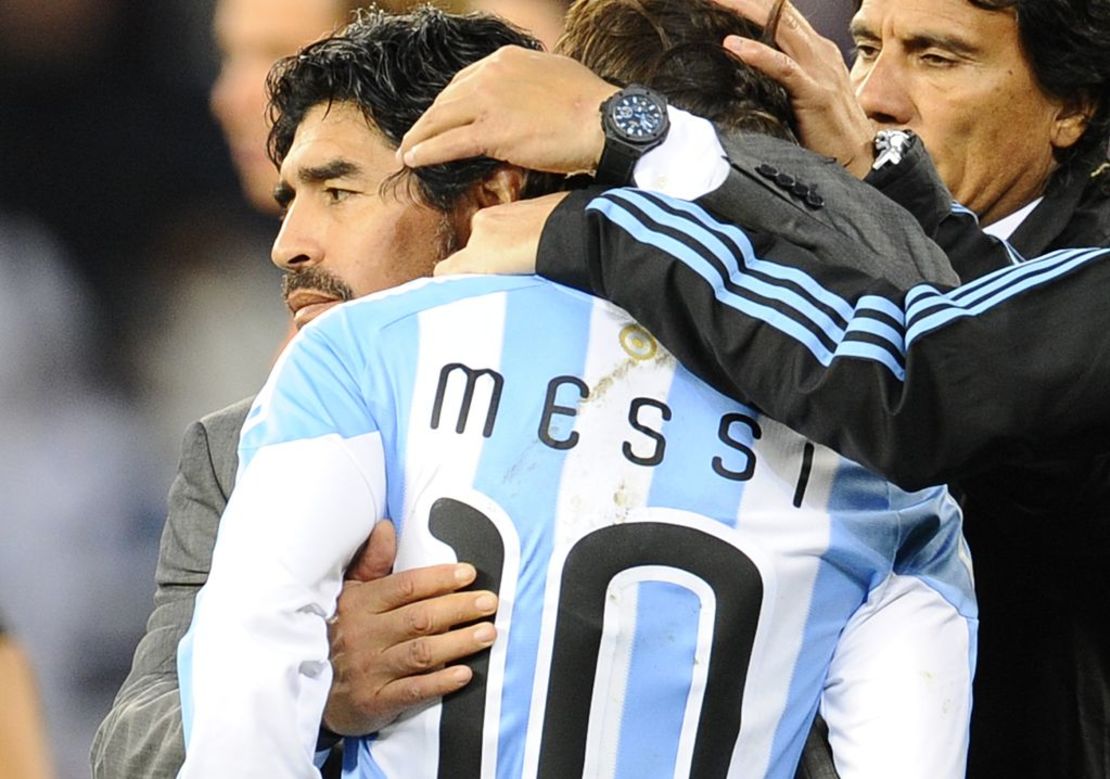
x,y
142,735
778,187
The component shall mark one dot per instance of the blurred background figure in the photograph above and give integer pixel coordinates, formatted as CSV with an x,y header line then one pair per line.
x,y
75,560
136,295
22,735
250,35
542,18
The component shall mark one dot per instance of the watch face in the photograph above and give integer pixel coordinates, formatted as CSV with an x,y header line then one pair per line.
x,y
637,117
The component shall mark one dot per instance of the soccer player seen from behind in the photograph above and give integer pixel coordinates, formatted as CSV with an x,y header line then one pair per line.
x,y
682,580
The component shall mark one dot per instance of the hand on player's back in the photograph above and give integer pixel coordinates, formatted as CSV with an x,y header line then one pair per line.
x,y
394,639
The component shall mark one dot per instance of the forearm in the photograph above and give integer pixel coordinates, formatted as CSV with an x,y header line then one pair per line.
x,y
256,656
918,386
898,693
258,661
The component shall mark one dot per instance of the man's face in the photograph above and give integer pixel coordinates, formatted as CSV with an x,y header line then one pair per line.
x,y
251,36
956,75
341,237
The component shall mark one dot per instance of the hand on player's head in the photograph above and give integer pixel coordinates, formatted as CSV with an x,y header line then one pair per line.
x,y
530,108
811,69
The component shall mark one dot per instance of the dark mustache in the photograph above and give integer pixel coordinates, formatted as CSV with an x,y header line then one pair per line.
x,y
317,280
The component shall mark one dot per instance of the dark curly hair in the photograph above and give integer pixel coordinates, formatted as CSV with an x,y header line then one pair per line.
x,y
392,67
674,46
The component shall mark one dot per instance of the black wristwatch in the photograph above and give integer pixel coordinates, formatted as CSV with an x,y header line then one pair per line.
x,y
635,121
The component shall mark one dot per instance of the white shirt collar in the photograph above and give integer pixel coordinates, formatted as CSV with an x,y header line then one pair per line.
x,y
1006,226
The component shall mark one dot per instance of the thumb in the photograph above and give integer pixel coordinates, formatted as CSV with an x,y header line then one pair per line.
x,y
456,263
375,559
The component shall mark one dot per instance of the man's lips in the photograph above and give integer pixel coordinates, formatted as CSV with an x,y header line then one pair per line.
x,y
307,304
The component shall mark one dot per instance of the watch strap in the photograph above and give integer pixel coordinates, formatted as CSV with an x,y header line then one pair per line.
x,y
618,163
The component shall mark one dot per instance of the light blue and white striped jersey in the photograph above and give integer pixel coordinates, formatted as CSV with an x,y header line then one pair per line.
x,y
682,581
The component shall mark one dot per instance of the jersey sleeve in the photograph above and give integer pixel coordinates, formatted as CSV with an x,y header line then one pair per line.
x,y
897,697
921,385
254,667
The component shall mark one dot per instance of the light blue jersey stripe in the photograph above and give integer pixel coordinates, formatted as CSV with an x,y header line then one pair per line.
x,y
650,732
530,502
659,674
860,550
398,344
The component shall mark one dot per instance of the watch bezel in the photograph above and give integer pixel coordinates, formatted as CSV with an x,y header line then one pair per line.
x,y
632,93
621,150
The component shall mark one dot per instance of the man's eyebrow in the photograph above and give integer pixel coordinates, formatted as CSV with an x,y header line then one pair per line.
x,y
940,40
861,30
336,169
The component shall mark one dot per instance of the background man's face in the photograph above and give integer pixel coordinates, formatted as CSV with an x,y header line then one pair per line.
x,y
251,36
341,237
956,75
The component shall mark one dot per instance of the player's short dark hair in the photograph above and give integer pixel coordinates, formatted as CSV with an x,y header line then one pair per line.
x,y
392,66
674,46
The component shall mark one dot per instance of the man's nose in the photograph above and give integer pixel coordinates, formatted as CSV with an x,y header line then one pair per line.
x,y
297,246
882,91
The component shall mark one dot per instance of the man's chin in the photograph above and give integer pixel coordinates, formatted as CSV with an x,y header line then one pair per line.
x,y
308,313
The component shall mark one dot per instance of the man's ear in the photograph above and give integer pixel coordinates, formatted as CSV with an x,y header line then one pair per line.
x,y
1071,121
504,185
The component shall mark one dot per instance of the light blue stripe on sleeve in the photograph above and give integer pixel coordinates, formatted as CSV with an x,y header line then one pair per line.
x,y
800,333
740,241
714,235
1059,267
628,222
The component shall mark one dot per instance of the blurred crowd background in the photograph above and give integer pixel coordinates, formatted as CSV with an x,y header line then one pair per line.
x,y
135,296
